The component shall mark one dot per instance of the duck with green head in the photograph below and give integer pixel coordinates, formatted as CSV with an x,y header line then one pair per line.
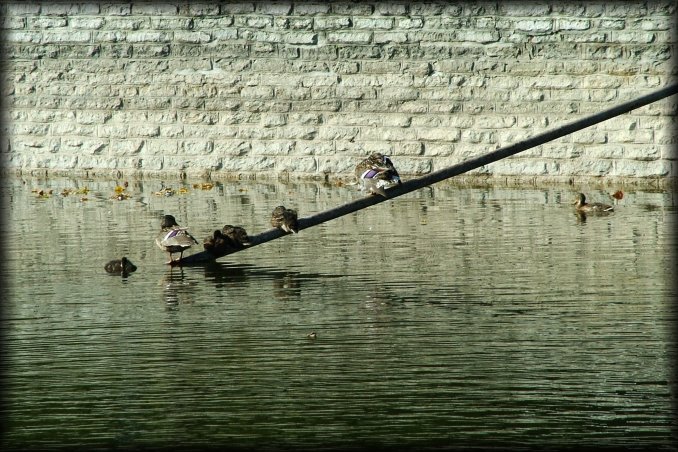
x,y
173,238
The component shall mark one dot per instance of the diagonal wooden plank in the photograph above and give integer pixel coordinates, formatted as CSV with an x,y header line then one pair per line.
x,y
445,173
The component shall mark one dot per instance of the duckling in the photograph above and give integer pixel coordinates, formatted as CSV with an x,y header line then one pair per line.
x,y
376,173
237,235
285,219
217,243
174,239
595,207
120,267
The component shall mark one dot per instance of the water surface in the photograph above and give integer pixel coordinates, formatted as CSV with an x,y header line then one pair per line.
x,y
451,316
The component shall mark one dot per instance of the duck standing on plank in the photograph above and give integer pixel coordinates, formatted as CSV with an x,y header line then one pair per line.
x,y
237,236
285,219
217,244
376,173
174,239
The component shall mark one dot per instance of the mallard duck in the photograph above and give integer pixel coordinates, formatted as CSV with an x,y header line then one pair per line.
x,y
237,235
120,266
376,173
174,239
285,219
219,244
595,207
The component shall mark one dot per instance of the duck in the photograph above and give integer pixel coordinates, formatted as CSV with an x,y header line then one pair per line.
x,y
237,235
217,243
121,266
174,239
595,207
376,173
285,219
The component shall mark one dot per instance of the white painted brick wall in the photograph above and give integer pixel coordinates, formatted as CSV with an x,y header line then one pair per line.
x,y
310,88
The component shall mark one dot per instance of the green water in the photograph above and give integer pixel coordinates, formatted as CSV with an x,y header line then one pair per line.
x,y
447,317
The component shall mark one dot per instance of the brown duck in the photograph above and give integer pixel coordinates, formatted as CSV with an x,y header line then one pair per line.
x,y
285,219
120,267
594,207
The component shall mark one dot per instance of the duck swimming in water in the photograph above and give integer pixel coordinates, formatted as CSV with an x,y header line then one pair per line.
x,y
120,267
285,219
174,239
376,173
595,207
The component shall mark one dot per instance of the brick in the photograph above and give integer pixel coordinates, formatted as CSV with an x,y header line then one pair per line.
x,y
656,168
22,8
203,9
641,151
398,93
409,23
381,38
373,23
630,37
65,36
573,24
122,86
91,23
47,22
59,9
257,92
14,36
482,37
116,9
525,9
301,38
536,26
626,9
271,147
612,24
305,8
656,24
338,133
440,135
155,9
171,23
349,37
274,8
144,130
231,147
148,36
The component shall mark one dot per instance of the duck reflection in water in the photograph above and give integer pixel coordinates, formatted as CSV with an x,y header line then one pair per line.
x,y
177,288
285,284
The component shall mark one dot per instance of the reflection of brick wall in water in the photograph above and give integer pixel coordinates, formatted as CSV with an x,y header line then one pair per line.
x,y
306,89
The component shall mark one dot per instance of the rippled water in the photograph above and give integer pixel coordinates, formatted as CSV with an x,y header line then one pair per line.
x,y
447,317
